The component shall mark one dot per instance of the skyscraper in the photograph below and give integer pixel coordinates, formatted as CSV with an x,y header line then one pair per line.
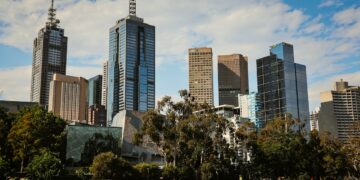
x,y
131,68
314,119
249,106
340,111
94,90
68,97
201,75
232,78
104,84
49,57
282,85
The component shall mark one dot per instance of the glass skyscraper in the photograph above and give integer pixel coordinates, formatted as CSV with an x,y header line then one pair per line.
x,y
131,67
94,90
249,106
49,57
282,85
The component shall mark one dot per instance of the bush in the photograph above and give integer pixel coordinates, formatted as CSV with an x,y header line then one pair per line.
x,y
4,168
148,170
44,166
110,166
170,172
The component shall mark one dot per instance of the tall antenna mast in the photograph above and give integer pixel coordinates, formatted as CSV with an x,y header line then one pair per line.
x,y
52,21
132,7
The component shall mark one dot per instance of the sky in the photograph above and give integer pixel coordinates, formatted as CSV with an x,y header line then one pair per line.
x,y
325,35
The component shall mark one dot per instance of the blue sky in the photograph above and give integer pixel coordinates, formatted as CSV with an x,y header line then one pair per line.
x,y
325,35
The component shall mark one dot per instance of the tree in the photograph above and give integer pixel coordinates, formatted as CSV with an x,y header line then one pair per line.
x,y
170,172
110,166
35,129
6,122
187,138
148,170
44,166
4,168
98,144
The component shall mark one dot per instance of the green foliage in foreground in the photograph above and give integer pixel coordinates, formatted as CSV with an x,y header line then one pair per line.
x,y
148,170
44,166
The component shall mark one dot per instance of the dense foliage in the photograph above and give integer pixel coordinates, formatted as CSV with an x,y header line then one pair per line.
x,y
44,166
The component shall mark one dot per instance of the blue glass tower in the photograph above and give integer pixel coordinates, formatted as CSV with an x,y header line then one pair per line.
x,y
282,85
131,68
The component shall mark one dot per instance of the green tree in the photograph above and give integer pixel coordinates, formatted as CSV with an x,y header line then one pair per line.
x,y
35,129
44,166
110,166
187,138
4,168
148,170
6,122
170,172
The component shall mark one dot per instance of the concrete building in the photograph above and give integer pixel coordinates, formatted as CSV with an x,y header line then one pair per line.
x,y
15,106
282,85
314,119
340,111
131,66
232,78
49,57
131,122
97,115
94,90
104,84
201,75
68,98
249,106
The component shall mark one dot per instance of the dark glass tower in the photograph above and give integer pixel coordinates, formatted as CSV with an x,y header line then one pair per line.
x,y
94,90
131,68
49,57
282,85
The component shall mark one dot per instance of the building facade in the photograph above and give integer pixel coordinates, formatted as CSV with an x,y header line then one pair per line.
x,y
15,106
104,84
131,67
340,111
282,85
232,78
49,57
94,90
68,98
201,75
249,106
314,119
97,115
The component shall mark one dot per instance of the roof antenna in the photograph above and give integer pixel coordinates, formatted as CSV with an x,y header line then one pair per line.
x,y
132,7
52,21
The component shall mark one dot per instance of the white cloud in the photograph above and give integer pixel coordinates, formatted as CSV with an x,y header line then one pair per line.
x,y
232,26
328,3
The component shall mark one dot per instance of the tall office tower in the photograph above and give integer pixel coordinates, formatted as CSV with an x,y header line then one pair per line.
x,y
97,115
94,90
68,97
249,106
201,75
314,119
340,111
49,57
282,85
104,84
232,78
131,68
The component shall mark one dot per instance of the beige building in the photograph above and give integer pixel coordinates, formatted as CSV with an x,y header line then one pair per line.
x,y
340,111
232,78
68,97
201,75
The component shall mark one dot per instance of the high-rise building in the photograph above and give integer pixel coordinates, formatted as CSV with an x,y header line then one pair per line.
x,y
104,84
282,85
131,68
201,75
314,119
94,90
249,106
232,78
97,115
49,57
68,97
340,111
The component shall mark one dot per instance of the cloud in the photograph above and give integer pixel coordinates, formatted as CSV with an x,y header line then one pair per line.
x,y
248,27
329,3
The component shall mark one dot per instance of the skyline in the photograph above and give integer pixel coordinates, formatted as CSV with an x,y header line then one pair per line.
x,y
336,31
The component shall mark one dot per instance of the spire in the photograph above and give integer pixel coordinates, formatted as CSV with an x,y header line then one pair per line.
x,y
52,21
132,7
